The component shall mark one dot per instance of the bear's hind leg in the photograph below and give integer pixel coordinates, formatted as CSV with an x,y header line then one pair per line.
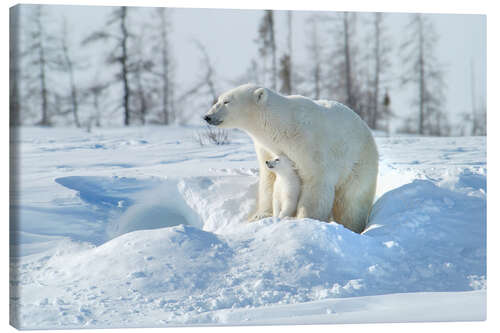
x,y
353,202
316,200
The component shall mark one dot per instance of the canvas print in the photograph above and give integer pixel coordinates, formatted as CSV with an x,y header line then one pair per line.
x,y
177,167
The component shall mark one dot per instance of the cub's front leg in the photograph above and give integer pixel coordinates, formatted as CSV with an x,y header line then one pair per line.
x,y
288,206
276,201
266,184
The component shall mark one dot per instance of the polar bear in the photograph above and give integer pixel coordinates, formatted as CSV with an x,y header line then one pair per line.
x,y
286,188
332,148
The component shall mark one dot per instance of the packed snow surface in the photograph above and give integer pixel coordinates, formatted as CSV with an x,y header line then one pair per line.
x,y
145,227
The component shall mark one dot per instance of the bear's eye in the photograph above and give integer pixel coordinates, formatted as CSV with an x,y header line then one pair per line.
x,y
277,160
226,102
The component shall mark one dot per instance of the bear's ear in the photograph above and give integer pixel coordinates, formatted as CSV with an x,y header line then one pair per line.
x,y
260,96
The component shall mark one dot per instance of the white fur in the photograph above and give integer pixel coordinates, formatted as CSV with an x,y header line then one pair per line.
x,y
286,188
332,148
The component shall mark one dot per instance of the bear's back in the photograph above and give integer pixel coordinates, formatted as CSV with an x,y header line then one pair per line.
x,y
327,107
332,115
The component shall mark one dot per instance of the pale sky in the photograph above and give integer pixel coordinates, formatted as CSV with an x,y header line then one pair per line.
x,y
229,36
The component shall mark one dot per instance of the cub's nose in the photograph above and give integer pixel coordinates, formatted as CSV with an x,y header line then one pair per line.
x,y
207,119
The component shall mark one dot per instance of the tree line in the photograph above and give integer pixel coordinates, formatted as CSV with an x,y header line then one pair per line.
x,y
357,70
139,57
342,64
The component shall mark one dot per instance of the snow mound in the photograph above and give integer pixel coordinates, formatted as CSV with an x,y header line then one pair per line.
x,y
439,233
153,231
170,259
132,204
163,206
421,238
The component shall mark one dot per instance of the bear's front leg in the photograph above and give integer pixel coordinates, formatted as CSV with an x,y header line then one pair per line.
x,y
287,211
266,184
316,199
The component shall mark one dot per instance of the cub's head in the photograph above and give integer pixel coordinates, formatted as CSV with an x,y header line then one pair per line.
x,y
237,108
280,164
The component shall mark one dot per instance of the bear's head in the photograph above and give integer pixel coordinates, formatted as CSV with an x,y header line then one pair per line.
x,y
237,107
271,164
280,164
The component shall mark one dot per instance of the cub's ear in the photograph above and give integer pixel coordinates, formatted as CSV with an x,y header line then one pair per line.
x,y
260,96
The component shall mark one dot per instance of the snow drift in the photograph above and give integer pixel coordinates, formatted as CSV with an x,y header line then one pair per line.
x,y
179,251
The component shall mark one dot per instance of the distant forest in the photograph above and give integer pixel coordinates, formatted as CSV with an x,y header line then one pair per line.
x,y
143,88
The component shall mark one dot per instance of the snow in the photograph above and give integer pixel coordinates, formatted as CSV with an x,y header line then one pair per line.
x,y
145,227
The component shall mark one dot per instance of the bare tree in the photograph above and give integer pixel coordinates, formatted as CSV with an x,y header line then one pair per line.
x,y
290,48
205,85
380,53
120,51
473,121
161,45
42,61
347,48
14,70
122,59
67,63
285,74
473,99
478,112
144,86
316,56
96,91
286,71
423,70
208,76
40,53
481,128
267,43
343,67
386,112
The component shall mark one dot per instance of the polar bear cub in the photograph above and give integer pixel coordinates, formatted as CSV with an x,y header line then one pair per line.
x,y
286,187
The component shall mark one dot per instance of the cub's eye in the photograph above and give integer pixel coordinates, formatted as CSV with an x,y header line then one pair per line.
x,y
226,102
277,160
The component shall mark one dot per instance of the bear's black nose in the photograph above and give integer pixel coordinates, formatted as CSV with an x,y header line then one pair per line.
x,y
207,119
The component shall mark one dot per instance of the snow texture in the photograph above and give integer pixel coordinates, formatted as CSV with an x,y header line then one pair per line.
x,y
143,227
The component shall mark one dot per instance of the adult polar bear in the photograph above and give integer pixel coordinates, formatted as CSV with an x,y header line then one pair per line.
x,y
332,148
